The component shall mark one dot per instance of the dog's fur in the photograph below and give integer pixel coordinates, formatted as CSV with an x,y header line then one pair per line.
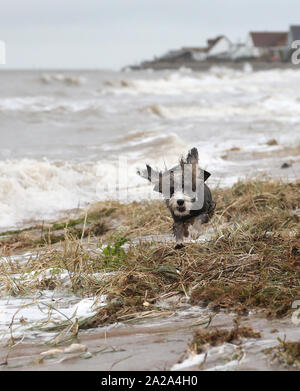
x,y
186,194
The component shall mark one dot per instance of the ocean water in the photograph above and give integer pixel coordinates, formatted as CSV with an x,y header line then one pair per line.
x,y
69,138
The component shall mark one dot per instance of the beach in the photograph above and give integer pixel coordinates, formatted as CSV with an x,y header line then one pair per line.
x,y
86,250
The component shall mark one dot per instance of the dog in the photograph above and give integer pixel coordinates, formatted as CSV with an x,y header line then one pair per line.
x,y
186,194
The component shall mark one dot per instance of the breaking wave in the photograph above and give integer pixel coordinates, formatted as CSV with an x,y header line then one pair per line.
x,y
41,104
36,190
217,79
49,78
271,107
33,190
150,145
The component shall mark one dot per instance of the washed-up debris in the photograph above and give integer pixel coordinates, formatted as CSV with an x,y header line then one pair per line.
x,y
272,142
286,165
73,348
51,352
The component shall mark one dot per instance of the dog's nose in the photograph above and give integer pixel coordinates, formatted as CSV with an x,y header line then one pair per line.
x,y
180,202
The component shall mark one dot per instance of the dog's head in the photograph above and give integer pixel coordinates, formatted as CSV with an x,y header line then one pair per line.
x,y
182,186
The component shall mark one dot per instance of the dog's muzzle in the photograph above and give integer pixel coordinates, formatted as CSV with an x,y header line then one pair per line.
x,y
180,204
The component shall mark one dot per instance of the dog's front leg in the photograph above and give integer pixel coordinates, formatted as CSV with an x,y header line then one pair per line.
x,y
178,229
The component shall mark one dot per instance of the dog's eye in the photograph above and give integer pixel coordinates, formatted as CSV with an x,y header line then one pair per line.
x,y
193,199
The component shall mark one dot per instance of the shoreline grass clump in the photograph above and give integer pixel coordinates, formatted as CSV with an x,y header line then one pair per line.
x,y
286,352
203,338
250,262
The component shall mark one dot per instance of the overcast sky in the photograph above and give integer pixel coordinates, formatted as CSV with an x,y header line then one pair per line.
x,y
115,33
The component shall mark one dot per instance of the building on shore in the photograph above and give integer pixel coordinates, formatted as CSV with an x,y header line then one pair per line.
x,y
263,46
219,47
268,45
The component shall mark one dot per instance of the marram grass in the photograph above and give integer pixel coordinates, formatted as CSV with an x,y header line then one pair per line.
x,y
252,260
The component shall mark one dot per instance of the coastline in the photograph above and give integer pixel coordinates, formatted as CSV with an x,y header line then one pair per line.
x,y
206,65
121,254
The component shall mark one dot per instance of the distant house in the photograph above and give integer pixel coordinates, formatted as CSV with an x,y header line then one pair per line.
x,y
218,47
293,35
197,53
264,45
268,45
241,51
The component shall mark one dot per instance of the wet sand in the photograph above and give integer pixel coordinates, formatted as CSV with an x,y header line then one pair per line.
x,y
159,344
267,163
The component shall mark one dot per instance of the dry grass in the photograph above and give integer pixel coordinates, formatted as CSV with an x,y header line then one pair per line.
x,y
252,260
102,219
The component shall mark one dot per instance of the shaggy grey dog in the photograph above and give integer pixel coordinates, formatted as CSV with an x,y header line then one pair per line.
x,y
186,194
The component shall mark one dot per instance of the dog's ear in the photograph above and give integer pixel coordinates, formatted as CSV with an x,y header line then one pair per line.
x,y
153,176
206,175
192,156
150,174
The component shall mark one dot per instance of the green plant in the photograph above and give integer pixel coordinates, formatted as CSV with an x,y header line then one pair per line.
x,y
113,253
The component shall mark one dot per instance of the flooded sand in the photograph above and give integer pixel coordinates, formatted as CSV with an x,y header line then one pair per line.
x,y
159,344
278,162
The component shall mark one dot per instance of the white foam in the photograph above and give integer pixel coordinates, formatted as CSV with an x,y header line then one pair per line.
x,y
213,353
193,359
32,190
36,190
26,313
216,79
272,108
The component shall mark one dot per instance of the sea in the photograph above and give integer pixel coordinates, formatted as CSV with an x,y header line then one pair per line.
x,y
71,138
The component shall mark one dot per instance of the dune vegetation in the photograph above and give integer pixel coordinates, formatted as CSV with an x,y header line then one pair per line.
x,y
251,259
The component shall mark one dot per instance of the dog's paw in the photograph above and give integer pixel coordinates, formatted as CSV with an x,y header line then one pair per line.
x,y
178,246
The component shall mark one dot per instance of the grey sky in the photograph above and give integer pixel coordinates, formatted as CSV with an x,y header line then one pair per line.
x,y
114,33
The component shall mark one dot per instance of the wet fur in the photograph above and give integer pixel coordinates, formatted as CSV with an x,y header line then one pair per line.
x,y
189,223
187,218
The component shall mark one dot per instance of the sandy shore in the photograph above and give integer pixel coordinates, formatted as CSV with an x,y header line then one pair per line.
x,y
158,345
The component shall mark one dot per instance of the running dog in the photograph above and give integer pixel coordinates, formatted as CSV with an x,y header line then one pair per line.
x,y
186,194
